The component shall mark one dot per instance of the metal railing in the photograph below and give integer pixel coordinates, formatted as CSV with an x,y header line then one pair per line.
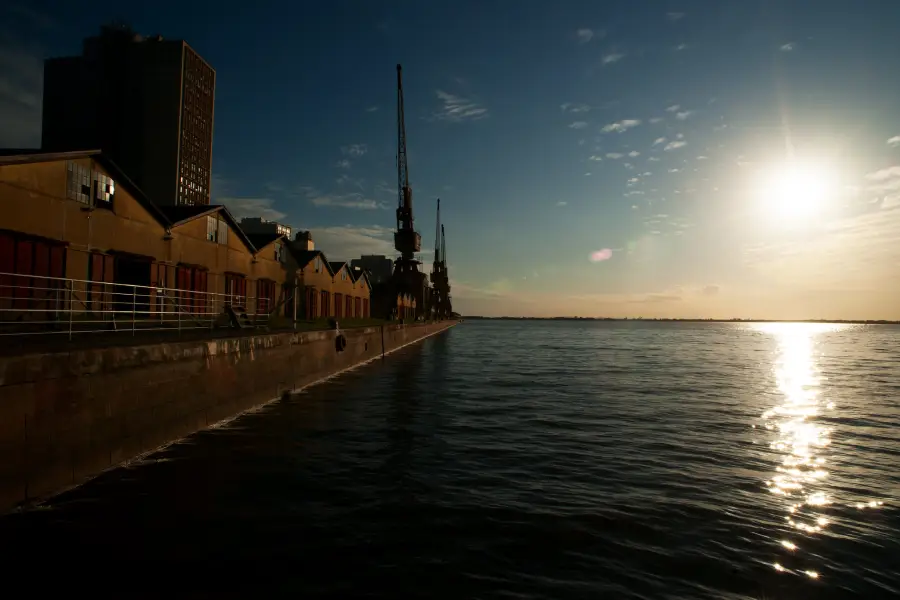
x,y
36,305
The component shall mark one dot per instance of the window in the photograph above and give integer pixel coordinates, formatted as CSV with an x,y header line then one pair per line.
x,y
279,252
216,229
78,183
104,189
343,275
318,264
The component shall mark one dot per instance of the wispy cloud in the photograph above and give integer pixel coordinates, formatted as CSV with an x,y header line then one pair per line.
x,y
584,35
634,153
561,203
355,150
675,145
353,200
788,47
346,242
656,120
612,57
578,125
614,155
251,207
680,47
894,141
372,109
457,108
621,126
659,141
343,164
674,16
673,108
574,107
683,115
596,158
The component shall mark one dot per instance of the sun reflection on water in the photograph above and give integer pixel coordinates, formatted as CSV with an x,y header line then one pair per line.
x,y
798,436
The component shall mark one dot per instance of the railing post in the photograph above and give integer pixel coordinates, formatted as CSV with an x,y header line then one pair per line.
x,y
71,309
133,307
178,312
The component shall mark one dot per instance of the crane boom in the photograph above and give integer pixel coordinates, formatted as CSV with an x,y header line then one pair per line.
x,y
406,240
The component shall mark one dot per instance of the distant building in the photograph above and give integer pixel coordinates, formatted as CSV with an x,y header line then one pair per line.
x,y
147,103
379,267
303,241
263,226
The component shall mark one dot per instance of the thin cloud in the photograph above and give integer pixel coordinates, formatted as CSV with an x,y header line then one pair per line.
x,y
561,203
634,153
614,155
251,207
574,107
673,108
656,120
675,145
353,200
347,242
372,109
343,164
659,141
578,125
680,47
621,126
355,150
613,57
683,115
457,109
675,16
894,141
596,158
584,35
788,47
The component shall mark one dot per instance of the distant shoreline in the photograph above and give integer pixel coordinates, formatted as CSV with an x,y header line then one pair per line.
x,y
663,320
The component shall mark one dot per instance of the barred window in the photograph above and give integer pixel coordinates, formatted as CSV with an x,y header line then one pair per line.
x,y
104,189
78,183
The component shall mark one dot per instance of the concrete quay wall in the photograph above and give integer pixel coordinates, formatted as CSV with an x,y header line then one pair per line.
x,y
67,416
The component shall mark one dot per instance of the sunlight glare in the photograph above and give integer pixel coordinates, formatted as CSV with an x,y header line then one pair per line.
x,y
796,191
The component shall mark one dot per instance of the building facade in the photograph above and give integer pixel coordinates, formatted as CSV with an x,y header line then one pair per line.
x,y
148,103
78,239
77,236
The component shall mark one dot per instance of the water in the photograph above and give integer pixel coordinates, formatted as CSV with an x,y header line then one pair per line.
x,y
525,460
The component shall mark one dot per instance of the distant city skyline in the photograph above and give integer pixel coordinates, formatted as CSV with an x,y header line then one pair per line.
x,y
673,160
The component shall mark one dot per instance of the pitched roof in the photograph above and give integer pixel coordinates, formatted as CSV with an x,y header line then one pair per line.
x,y
358,274
179,215
304,257
336,265
261,240
24,157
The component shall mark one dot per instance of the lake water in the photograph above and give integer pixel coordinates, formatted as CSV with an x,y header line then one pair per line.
x,y
524,460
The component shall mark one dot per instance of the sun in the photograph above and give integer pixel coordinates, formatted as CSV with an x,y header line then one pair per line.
x,y
796,191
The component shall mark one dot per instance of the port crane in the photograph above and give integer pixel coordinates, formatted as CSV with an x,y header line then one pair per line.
x,y
406,278
440,282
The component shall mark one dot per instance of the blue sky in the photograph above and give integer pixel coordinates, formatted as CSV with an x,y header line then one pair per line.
x,y
552,131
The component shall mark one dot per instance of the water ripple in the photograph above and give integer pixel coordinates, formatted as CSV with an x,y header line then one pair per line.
x,y
531,460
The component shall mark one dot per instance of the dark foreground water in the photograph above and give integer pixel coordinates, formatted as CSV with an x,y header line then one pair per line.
x,y
521,460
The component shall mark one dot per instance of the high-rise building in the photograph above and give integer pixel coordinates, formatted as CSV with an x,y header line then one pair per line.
x,y
146,102
257,225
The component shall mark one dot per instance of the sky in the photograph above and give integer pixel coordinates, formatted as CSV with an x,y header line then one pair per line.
x,y
671,158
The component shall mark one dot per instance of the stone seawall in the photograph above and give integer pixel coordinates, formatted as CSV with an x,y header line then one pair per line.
x,y
67,416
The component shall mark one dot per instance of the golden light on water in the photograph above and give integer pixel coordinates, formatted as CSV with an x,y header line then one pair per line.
x,y
798,437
